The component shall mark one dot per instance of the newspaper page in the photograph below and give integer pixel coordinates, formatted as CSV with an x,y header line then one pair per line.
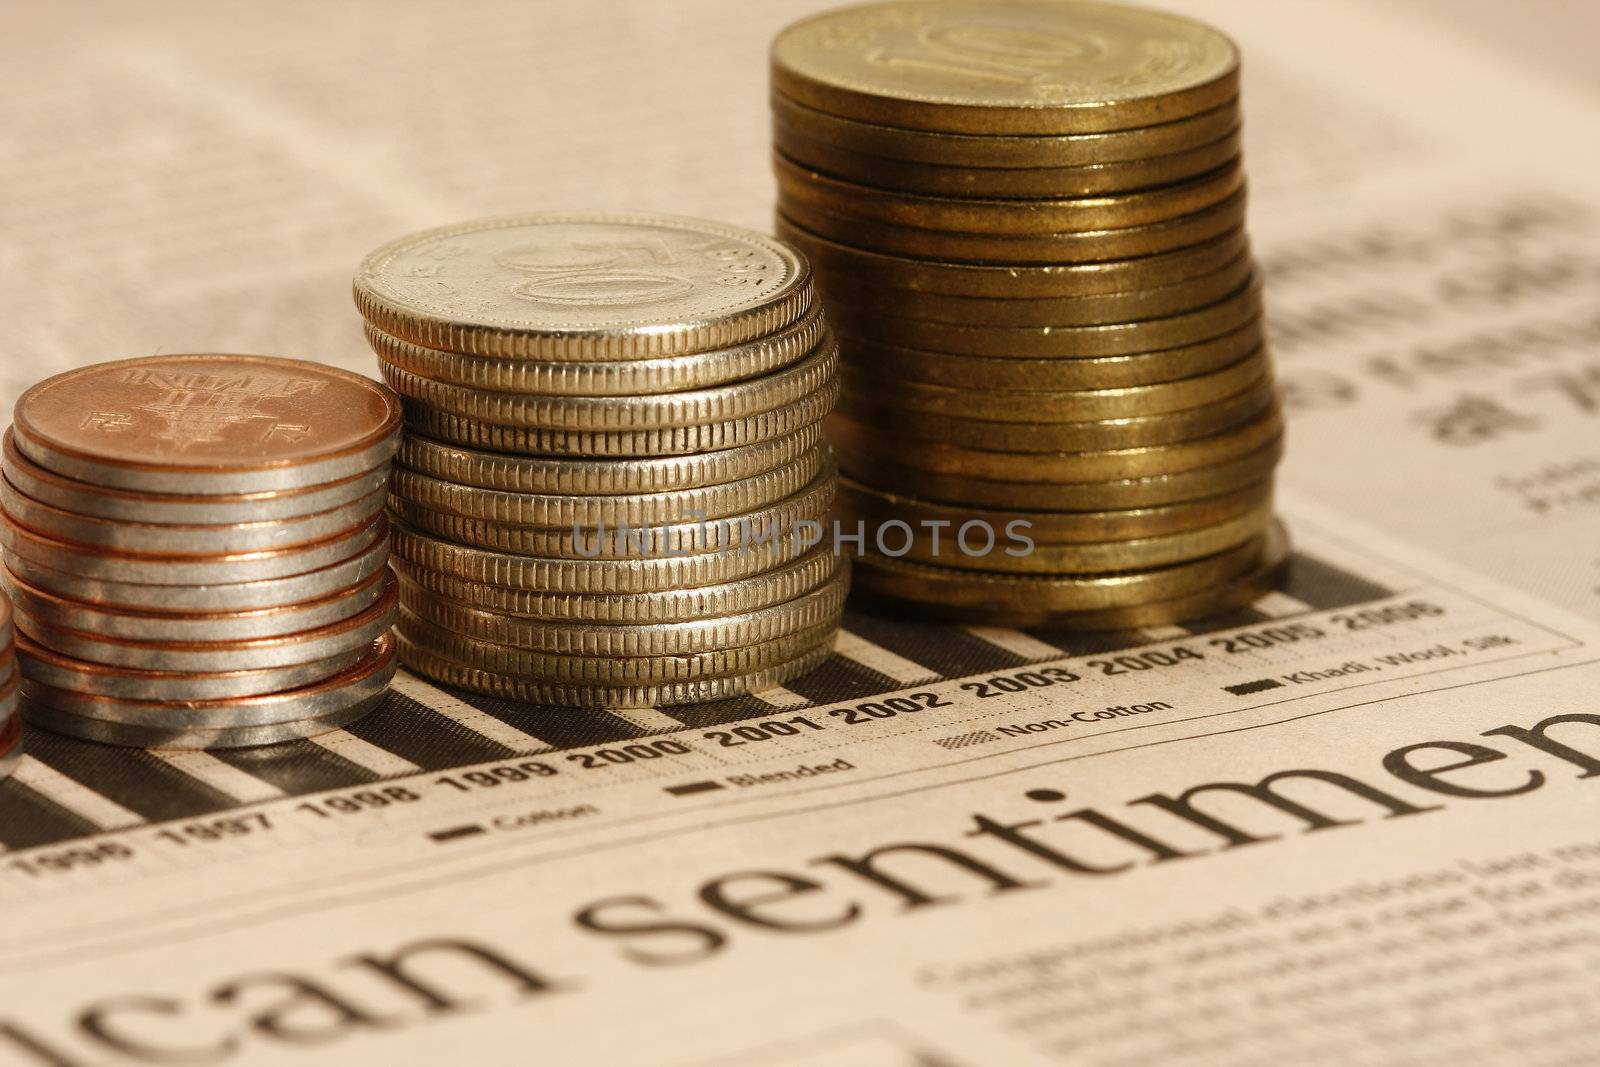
x,y
1351,824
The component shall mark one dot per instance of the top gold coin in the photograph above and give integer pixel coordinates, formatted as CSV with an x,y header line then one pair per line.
x,y
1005,66
583,287
208,424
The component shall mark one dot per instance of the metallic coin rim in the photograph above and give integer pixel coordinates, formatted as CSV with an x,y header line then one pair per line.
x,y
460,676
184,540
897,106
810,608
625,414
235,568
111,733
998,216
368,451
541,475
392,315
677,441
565,509
809,503
209,657
1004,151
53,669
1044,181
1036,249
833,259
245,625
776,585
1199,422
221,596
663,374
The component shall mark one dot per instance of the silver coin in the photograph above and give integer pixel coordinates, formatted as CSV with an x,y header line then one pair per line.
x,y
9,761
631,541
112,733
121,535
63,613
775,585
46,667
609,477
130,506
565,509
187,570
310,646
368,677
212,596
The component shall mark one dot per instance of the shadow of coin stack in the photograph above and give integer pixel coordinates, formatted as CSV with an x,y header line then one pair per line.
x,y
195,547
1027,221
613,478
10,721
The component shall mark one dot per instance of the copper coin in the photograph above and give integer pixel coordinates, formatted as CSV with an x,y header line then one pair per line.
x,y
208,424
183,509
10,744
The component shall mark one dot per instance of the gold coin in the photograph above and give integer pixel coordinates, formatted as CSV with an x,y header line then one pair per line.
x,y
583,287
563,510
964,373
942,593
839,261
1061,342
679,440
764,589
632,377
1089,466
531,573
816,607
1035,248
1104,557
588,477
875,505
862,298
624,414
1005,66
999,151
462,676
612,542
1154,490
932,179
994,216
1053,438
560,669
1048,406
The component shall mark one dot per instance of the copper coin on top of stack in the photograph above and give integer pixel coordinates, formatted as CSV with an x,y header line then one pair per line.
x,y
196,549
10,720
1027,219
613,476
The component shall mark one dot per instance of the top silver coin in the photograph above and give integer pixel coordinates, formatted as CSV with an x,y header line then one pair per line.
x,y
583,287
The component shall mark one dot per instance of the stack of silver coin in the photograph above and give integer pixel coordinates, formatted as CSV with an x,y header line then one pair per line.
x,y
10,721
613,482
196,549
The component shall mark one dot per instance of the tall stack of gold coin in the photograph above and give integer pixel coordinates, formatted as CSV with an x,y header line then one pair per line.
x,y
10,721
613,477
195,547
1027,220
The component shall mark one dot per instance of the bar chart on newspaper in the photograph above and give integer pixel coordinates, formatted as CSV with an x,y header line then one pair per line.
x,y
437,775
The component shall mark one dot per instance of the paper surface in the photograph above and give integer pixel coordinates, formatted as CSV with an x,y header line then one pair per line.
x,y
1216,844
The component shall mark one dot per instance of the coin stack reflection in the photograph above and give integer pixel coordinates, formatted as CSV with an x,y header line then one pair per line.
x,y
196,549
1027,220
613,477
10,720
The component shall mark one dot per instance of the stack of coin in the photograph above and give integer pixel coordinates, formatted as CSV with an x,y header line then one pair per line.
x,y
613,477
196,549
1027,220
10,721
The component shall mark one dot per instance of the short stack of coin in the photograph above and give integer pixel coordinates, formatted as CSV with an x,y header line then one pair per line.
x,y
1027,220
10,720
196,549
613,437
